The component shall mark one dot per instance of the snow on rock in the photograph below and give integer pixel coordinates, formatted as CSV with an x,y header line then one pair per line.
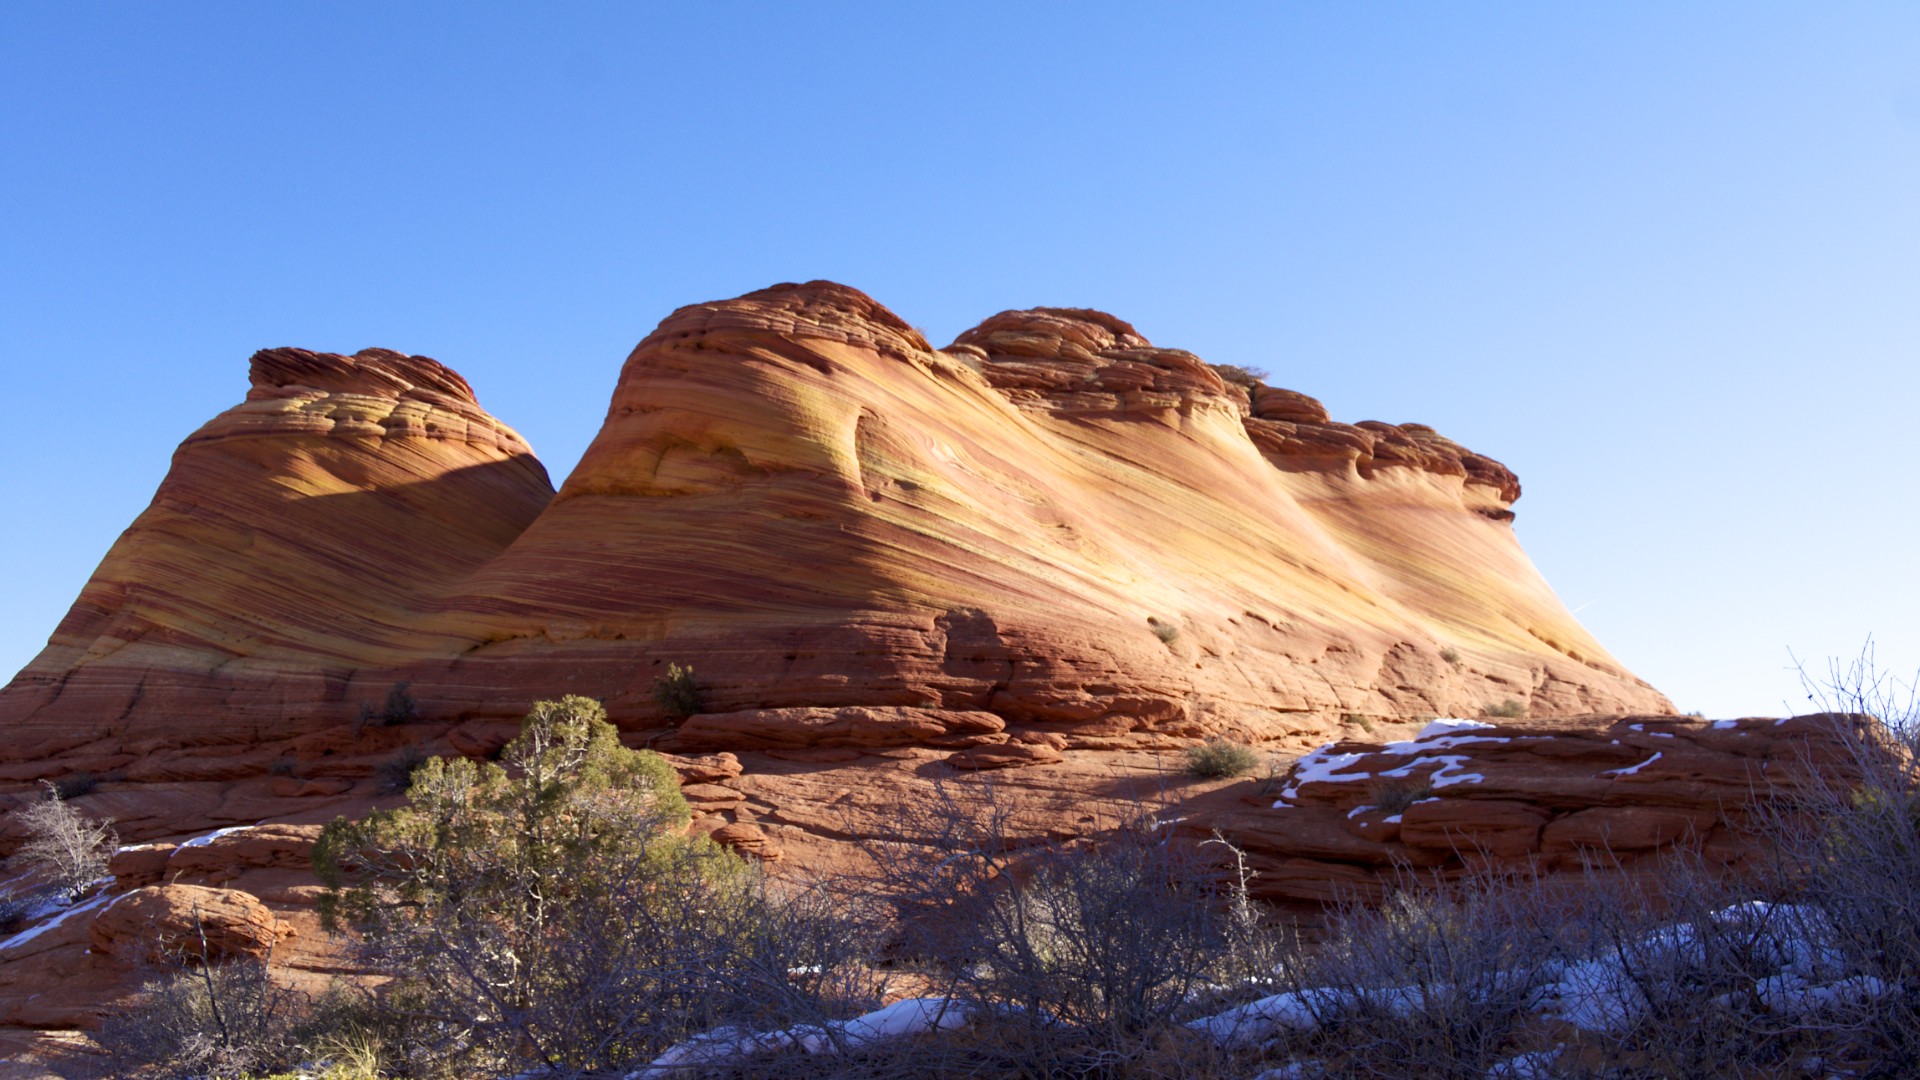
x,y
32,932
1322,766
1630,770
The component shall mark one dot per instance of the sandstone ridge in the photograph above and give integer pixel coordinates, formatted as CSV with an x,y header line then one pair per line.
x,y
1051,520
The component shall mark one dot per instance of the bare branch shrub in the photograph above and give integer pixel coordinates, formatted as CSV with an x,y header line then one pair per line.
x,y
395,774
1075,959
68,847
234,1020
1437,982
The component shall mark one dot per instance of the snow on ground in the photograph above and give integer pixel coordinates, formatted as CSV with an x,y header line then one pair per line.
x,y
909,1016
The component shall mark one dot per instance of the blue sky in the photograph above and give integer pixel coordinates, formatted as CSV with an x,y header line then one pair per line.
x,y
1661,259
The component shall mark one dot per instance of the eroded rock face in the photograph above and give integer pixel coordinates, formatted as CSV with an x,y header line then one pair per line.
x,y
1461,797
1051,554
166,925
300,536
1052,521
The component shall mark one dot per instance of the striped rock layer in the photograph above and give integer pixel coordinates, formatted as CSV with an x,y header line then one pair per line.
x,y
1051,522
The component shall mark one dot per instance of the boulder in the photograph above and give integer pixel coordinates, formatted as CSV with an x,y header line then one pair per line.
x,y
167,924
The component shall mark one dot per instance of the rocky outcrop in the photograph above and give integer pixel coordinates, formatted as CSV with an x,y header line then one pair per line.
x,y
1051,521
1462,797
164,925
299,537
1051,553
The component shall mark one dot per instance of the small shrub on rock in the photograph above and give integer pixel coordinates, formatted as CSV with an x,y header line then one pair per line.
x,y
1394,796
395,774
677,693
76,784
1507,710
1217,759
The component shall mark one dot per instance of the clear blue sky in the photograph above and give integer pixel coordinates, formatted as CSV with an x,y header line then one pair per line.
x,y
1661,259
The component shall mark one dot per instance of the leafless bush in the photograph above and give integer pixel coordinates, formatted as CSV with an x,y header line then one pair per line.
x,y
234,1020
1438,982
1075,959
218,1020
395,774
398,708
68,847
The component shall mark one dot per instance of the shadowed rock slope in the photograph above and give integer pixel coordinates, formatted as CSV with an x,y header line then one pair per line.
x,y
1051,524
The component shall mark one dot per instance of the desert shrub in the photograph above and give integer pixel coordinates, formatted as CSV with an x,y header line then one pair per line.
x,y
75,784
1243,377
550,910
1219,758
1451,655
221,1020
1074,959
398,708
1394,796
1506,710
234,1020
677,693
395,774
1437,982
67,847
1165,631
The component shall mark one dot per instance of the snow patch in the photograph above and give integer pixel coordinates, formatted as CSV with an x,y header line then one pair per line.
x,y
30,933
1322,766
203,841
1636,768
909,1016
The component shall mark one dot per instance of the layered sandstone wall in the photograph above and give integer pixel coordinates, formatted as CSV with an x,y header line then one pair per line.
x,y
1051,520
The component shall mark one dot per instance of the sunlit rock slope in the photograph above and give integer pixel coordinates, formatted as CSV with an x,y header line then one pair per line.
x,y
1051,521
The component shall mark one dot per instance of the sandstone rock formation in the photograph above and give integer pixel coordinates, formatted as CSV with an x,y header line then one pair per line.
x,y
1352,818
1051,521
1050,554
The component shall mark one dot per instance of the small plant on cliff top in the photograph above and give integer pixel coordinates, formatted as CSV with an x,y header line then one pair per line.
x,y
677,693
1217,759
1506,710
1242,377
